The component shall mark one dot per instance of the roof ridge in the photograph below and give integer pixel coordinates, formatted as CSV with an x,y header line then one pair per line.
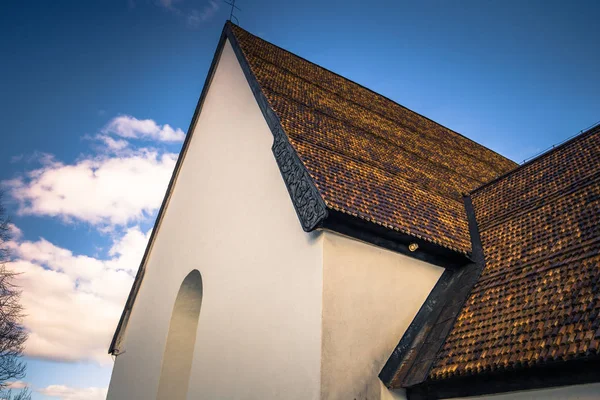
x,y
377,94
589,131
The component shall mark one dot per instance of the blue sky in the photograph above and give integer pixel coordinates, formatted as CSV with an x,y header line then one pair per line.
x,y
96,96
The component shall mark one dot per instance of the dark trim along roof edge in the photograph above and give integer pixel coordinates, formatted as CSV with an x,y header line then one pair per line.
x,y
390,239
309,204
562,373
412,359
544,154
117,337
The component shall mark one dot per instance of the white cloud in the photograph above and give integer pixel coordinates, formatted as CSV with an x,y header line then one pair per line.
x,y
113,144
73,302
197,17
14,231
16,385
193,17
132,128
70,393
103,190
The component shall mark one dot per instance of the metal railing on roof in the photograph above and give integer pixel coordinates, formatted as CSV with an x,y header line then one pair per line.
x,y
561,142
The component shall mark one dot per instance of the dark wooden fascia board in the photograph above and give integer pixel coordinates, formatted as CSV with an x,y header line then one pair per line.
x,y
557,374
406,350
308,203
413,357
390,239
118,335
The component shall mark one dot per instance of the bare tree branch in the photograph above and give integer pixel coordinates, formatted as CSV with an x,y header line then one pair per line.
x,y
23,394
12,332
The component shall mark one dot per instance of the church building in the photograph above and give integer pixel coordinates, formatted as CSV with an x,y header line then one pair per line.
x,y
319,241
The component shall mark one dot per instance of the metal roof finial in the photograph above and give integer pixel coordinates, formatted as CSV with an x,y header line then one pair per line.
x,y
233,6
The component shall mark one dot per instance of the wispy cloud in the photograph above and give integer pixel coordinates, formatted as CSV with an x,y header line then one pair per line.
x,y
195,18
169,4
111,143
16,385
73,302
70,393
117,183
130,127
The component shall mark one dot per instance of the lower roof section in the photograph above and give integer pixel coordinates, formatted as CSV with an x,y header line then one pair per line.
x,y
531,317
537,301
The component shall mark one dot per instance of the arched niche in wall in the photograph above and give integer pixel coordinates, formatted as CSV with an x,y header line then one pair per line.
x,y
179,350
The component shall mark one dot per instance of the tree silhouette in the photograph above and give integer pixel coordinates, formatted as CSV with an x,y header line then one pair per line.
x,y
12,332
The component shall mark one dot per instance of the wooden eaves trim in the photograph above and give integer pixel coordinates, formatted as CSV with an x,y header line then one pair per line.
x,y
558,374
410,362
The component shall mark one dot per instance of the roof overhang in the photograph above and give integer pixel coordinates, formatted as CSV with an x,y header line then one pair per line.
x,y
394,240
412,360
562,373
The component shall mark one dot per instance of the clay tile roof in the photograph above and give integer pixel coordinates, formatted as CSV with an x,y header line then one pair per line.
x,y
369,156
537,300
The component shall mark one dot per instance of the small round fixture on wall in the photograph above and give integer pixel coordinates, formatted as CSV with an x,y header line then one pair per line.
x,y
413,246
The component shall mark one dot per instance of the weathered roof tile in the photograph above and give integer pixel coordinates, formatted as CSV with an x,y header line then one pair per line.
x,y
537,300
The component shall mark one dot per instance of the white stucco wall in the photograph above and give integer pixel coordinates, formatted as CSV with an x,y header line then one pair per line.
x,y
370,297
230,217
386,394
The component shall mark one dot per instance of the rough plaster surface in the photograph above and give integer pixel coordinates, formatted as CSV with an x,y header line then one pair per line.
x,y
230,217
387,394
